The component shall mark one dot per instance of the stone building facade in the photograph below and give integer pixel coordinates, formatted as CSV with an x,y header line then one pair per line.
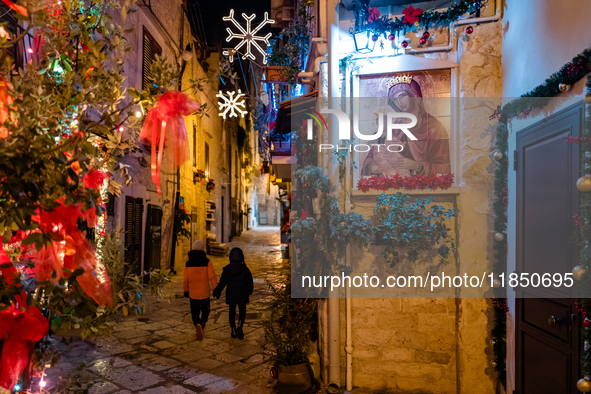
x,y
444,345
426,345
213,144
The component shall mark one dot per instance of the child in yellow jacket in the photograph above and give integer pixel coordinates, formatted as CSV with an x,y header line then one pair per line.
x,y
197,276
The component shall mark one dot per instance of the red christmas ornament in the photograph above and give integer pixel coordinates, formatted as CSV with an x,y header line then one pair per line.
x,y
586,322
423,41
404,44
426,34
469,30
374,37
391,37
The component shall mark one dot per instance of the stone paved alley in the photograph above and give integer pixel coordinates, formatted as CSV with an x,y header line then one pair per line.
x,y
158,353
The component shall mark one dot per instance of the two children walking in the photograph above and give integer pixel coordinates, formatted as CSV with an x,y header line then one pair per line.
x,y
199,274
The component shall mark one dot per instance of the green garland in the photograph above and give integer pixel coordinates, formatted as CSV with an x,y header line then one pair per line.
x,y
537,98
585,236
426,19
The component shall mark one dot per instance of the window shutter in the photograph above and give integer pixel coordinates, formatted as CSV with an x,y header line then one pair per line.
x,y
137,231
133,232
129,207
15,52
150,50
110,204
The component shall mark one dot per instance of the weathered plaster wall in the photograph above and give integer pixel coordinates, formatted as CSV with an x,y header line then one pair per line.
x,y
442,345
166,24
208,130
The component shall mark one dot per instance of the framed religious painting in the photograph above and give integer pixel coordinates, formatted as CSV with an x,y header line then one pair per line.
x,y
404,124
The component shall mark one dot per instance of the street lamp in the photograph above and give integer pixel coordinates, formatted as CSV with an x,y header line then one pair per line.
x,y
363,41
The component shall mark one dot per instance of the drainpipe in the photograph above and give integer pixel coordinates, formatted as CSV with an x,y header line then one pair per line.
x,y
305,77
334,338
348,300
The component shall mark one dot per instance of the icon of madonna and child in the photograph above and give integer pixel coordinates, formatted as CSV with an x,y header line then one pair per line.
x,y
429,153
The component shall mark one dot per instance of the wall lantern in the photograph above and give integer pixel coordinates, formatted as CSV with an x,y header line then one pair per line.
x,y
363,41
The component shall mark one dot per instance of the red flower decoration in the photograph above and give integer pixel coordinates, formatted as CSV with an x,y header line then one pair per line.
x,y
305,214
505,196
577,220
411,15
431,181
496,114
374,15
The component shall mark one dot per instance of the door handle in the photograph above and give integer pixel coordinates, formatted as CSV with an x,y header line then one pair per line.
x,y
553,321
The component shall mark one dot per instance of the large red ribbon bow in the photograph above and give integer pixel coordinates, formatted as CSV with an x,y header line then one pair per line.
x,y
165,121
21,327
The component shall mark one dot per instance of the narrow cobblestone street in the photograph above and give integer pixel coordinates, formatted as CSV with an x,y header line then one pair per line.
x,y
157,351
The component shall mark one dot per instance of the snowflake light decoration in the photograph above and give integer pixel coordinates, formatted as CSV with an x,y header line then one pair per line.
x,y
247,36
231,104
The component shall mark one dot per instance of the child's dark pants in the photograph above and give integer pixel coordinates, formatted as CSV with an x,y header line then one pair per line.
x,y
241,315
200,311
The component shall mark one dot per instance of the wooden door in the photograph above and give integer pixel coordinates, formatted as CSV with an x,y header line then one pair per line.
x,y
153,238
547,323
134,208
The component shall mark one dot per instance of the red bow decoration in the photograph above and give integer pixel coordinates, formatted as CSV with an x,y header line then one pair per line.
x,y
77,251
6,268
5,102
15,7
411,15
21,327
165,121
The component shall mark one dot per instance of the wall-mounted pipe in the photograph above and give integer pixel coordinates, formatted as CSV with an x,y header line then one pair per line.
x,y
305,77
334,335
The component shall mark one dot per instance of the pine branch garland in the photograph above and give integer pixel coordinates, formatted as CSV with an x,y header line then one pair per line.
x,y
427,19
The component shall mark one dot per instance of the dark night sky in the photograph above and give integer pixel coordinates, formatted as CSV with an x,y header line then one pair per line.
x,y
212,12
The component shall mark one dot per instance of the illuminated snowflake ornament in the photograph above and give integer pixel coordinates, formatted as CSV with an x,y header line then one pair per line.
x,y
247,36
231,104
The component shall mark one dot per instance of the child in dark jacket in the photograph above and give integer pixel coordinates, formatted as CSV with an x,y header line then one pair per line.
x,y
197,276
238,279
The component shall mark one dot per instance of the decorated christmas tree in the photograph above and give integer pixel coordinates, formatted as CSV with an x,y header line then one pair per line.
x,y
66,120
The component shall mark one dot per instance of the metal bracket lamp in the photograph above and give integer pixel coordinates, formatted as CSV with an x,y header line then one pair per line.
x,y
363,41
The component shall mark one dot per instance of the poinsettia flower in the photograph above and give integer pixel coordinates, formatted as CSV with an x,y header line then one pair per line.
x,y
374,15
411,14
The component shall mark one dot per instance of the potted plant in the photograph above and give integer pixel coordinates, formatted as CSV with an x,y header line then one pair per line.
x,y
210,187
275,74
198,176
287,51
290,332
